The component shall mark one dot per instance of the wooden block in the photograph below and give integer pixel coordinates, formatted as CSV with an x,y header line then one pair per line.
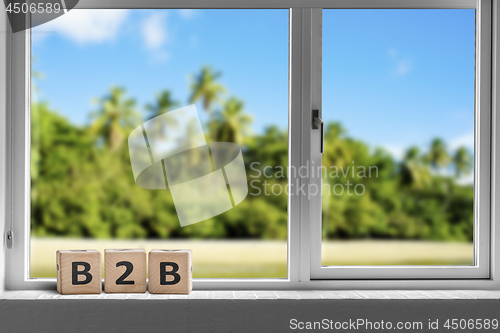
x,y
125,271
78,272
170,272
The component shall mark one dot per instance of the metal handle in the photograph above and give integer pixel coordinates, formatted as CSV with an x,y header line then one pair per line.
x,y
10,239
318,123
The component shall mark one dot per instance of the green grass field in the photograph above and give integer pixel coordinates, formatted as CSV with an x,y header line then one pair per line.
x,y
261,259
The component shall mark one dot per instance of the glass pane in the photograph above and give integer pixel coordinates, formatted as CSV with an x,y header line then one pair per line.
x,y
121,160
398,102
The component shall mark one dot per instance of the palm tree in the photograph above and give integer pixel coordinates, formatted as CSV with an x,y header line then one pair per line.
x,y
164,103
413,172
438,156
206,88
115,118
232,123
192,159
463,162
412,154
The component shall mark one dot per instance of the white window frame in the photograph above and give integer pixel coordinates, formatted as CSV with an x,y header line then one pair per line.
x,y
480,268
304,96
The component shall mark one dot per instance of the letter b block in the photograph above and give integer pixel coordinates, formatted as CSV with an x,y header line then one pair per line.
x,y
78,272
170,272
125,271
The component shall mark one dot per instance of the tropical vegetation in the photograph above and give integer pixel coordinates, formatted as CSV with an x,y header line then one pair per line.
x,y
83,186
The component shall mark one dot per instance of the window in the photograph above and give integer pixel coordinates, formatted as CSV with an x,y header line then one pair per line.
x,y
156,61
415,87
406,173
256,50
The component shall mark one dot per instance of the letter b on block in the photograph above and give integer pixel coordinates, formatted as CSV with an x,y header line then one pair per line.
x,y
170,272
75,273
78,272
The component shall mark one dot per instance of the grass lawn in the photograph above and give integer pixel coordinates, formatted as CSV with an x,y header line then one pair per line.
x,y
261,259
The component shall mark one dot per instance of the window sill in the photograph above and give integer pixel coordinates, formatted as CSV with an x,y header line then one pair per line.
x,y
258,295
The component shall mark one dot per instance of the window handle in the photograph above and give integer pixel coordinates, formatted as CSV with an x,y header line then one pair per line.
x,y
318,123
10,239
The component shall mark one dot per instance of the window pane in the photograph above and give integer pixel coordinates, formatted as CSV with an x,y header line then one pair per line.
x,y
398,100
115,164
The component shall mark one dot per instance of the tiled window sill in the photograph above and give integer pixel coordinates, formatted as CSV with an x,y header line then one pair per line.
x,y
257,295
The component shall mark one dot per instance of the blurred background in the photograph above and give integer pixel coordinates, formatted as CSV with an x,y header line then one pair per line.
x,y
398,95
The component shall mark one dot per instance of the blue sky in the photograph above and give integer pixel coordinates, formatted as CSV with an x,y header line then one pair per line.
x,y
400,77
394,78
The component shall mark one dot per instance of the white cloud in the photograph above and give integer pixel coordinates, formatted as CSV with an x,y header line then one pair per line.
x,y
466,140
85,26
154,30
187,13
466,180
402,65
392,53
396,151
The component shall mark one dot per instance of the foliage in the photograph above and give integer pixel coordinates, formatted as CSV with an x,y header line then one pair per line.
x,y
83,186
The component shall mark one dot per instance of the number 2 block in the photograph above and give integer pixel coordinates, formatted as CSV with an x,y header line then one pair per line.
x,y
170,272
125,271
78,272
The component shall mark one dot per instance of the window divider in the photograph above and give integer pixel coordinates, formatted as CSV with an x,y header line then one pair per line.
x,y
315,154
294,130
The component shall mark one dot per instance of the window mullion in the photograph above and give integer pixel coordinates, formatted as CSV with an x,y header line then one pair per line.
x,y
301,37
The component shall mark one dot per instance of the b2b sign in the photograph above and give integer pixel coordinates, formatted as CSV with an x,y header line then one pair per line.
x,y
79,271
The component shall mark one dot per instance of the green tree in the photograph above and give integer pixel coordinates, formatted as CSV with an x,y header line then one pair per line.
x,y
414,173
336,150
462,160
438,155
115,118
205,87
232,124
163,104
